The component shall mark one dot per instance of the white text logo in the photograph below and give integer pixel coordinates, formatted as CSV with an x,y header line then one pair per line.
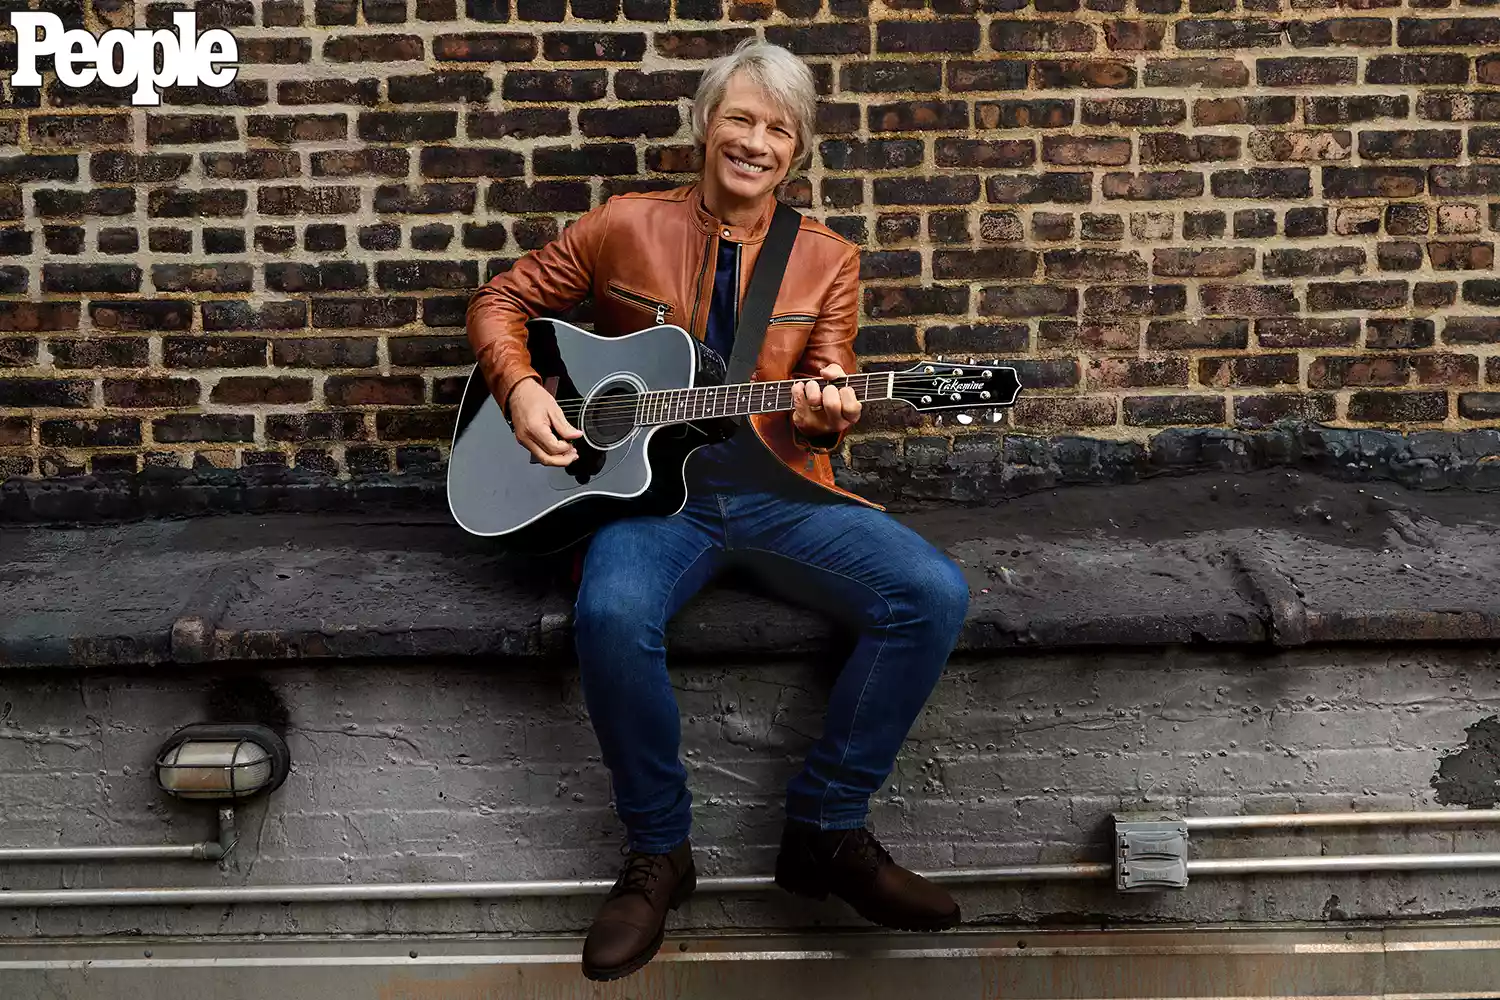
x,y
187,58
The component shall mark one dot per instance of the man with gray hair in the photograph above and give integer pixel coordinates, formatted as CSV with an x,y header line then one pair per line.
x,y
764,500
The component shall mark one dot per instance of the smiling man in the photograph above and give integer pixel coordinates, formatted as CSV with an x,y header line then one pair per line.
x,y
764,500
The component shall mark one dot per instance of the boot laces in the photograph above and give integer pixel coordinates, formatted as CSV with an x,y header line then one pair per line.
x,y
864,850
639,873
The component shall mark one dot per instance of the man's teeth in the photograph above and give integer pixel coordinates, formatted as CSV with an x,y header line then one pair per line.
x,y
747,166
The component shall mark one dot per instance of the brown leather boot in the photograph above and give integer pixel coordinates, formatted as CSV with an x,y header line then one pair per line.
x,y
853,866
630,925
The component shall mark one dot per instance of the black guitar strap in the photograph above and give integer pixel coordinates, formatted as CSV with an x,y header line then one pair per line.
x,y
760,297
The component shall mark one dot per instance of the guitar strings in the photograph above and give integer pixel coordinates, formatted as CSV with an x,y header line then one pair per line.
x,y
574,405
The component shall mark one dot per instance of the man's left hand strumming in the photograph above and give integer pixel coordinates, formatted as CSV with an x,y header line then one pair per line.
x,y
823,410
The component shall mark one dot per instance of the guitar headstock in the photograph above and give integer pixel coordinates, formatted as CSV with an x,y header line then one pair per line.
x,y
932,386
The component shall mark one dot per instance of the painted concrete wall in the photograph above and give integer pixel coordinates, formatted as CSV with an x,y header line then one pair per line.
x,y
464,772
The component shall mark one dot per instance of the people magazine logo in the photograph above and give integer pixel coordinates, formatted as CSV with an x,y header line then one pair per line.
x,y
145,59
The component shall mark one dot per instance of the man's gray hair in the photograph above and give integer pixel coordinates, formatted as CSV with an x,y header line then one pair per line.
x,y
785,79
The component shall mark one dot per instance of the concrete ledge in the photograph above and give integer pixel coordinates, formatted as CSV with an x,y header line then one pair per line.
x,y
1269,558
975,468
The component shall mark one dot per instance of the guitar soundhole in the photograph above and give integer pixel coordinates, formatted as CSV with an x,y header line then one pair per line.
x,y
609,414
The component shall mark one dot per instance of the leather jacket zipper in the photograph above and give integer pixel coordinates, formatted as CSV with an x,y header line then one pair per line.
x,y
793,318
661,308
708,251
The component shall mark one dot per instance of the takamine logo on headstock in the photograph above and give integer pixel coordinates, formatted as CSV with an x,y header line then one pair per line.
x,y
948,385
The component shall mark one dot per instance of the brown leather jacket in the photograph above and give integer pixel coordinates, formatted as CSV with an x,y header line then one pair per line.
x,y
648,258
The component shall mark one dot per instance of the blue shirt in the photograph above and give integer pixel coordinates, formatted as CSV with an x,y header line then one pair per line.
x,y
738,463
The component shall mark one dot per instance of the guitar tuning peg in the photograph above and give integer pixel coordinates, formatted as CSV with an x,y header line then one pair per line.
x,y
964,419
995,417
938,420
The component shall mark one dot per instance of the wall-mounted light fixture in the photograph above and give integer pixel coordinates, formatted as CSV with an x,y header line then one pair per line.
x,y
222,762
228,763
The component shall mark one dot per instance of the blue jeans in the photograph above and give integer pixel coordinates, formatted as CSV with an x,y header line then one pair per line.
x,y
907,599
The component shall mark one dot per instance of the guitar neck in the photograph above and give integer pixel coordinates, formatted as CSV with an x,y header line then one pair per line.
x,y
672,406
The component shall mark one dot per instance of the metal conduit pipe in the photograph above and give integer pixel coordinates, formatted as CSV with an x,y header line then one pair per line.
x,y
1289,821
412,891
208,850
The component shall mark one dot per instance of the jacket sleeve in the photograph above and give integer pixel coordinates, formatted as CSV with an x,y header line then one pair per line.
x,y
546,282
832,340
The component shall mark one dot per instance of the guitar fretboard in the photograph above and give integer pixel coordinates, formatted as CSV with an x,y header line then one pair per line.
x,y
670,406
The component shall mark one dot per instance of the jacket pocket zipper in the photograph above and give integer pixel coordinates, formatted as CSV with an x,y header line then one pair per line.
x,y
793,318
660,308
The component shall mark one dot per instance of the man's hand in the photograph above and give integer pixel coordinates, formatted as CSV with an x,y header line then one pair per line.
x,y
821,410
540,425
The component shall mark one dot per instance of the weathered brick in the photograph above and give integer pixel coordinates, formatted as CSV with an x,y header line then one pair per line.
x,y
1262,182
1299,145
1196,72
953,35
1415,144
266,390
1134,300
486,46
23,393
1086,150
91,278
1244,111
909,116
936,300
1068,74
1348,110
1155,186
214,352
1094,265
326,352
987,75
1174,147
991,153
1254,412
151,393
301,128
441,87
1183,334
1347,295
1306,71
984,264
374,390
1136,373
113,167
836,39
407,126
373,48
1165,411
947,190
1420,70
370,312
1398,407
1032,189
1212,262
543,196
1023,114
163,130
1249,300
424,198
47,131
36,317
1373,182
1478,180
1342,31
206,427
1228,34
1321,262
103,432
516,123
1258,370
1042,36
1471,330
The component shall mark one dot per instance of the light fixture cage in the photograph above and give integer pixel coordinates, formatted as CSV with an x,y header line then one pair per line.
x,y
215,761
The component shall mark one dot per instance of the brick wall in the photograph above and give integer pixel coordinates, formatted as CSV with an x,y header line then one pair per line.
x,y
1175,212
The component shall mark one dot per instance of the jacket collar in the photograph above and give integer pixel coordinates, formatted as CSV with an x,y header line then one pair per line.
x,y
708,224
